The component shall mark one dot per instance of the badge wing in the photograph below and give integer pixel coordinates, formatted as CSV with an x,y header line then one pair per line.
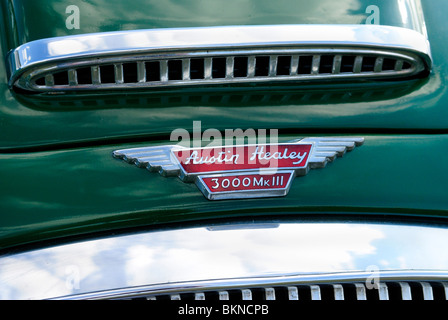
x,y
326,149
158,158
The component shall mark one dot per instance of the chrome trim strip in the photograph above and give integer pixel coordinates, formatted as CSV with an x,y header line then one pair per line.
x,y
313,281
38,58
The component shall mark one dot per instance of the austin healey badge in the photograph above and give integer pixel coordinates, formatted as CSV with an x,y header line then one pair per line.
x,y
241,171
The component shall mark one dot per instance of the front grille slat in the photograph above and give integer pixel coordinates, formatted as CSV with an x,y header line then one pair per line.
x,y
199,296
400,290
224,295
315,292
383,291
405,291
293,293
445,289
270,293
361,293
427,291
338,292
246,294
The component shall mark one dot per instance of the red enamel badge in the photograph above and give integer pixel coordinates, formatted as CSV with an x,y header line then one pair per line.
x,y
242,171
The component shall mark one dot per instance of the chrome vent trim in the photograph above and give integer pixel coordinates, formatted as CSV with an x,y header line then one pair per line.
x,y
391,285
218,55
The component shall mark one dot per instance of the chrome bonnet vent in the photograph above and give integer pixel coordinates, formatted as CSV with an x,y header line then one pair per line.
x,y
218,55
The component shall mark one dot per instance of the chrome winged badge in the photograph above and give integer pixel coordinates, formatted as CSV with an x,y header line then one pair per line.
x,y
241,171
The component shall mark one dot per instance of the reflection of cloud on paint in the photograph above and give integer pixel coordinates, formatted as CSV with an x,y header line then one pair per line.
x,y
39,276
402,262
24,276
431,247
202,254
384,264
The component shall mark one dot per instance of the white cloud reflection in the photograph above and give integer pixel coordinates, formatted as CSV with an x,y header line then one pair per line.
x,y
195,254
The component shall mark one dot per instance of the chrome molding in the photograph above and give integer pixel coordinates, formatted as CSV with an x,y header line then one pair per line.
x,y
217,55
298,287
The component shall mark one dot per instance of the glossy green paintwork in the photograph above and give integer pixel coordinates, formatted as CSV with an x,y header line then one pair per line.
x,y
54,188
69,192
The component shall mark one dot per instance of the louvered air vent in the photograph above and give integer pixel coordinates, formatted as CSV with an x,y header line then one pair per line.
x,y
226,55
227,69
